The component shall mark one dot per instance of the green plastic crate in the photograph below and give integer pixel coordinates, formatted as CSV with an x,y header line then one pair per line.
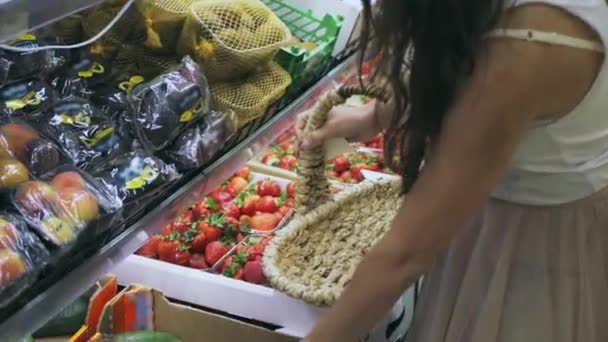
x,y
304,66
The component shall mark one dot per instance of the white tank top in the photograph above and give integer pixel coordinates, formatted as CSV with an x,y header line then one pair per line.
x,y
567,159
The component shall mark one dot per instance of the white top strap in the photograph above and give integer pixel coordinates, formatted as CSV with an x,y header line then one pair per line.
x,y
548,38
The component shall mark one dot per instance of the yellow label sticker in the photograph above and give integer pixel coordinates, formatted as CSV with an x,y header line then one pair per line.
x,y
127,86
192,112
95,69
30,99
146,176
98,137
79,119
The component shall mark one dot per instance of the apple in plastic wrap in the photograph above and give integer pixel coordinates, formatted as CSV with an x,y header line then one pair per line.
x,y
12,173
36,199
77,206
12,267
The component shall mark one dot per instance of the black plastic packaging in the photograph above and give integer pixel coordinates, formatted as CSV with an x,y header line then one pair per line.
x,y
15,66
136,176
27,99
201,143
166,106
82,75
86,135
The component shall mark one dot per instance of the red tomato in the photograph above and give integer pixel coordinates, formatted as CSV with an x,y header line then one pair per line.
x,y
266,204
230,209
197,261
199,243
150,248
236,186
288,162
167,250
264,222
249,205
243,173
341,164
291,189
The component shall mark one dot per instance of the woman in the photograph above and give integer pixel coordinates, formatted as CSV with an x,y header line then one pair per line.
x,y
508,217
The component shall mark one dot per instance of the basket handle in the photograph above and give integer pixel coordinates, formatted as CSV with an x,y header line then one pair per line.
x,y
312,187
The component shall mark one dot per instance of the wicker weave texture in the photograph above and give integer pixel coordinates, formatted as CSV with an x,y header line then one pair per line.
x,y
316,255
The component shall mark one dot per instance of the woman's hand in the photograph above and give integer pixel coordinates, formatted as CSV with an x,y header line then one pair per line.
x,y
353,123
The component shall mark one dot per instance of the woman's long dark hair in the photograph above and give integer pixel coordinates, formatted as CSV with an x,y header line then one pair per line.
x,y
445,36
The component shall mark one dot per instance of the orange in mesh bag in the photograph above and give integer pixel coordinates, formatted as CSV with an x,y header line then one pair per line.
x,y
249,98
163,21
230,38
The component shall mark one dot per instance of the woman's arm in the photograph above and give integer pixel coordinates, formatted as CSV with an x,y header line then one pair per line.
x,y
514,82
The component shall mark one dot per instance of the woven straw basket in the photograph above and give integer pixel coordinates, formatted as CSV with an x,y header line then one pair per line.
x,y
230,38
314,257
249,98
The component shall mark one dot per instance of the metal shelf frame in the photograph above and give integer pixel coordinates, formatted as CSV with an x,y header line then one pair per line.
x,y
49,303
20,16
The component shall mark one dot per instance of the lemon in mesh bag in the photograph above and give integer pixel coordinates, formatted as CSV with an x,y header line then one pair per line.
x,y
110,43
249,98
230,38
163,21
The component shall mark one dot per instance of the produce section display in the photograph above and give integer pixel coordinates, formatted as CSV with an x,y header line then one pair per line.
x,y
91,139
239,215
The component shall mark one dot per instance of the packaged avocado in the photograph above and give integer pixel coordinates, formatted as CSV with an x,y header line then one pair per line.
x,y
86,135
15,66
29,98
135,176
202,142
166,106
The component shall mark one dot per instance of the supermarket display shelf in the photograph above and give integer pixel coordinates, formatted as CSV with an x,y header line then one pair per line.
x,y
19,16
49,303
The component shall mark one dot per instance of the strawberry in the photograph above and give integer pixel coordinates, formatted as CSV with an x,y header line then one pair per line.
x,y
167,249
214,251
268,188
288,162
270,159
341,164
230,210
197,261
239,275
167,230
220,197
234,263
181,257
200,210
291,189
243,173
253,273
236,185
245,220
239,237
284,210
331,174
249,205
266,204
212,233
199,243
374,166
264,222
356,173
150,248
290,202
287,147
231,221
346,177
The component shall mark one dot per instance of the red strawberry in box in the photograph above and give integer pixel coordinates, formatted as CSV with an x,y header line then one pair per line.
x,y
246,263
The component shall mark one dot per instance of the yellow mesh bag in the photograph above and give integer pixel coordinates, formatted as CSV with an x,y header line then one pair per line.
x,y
163,21
98,18
249,98
230,38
